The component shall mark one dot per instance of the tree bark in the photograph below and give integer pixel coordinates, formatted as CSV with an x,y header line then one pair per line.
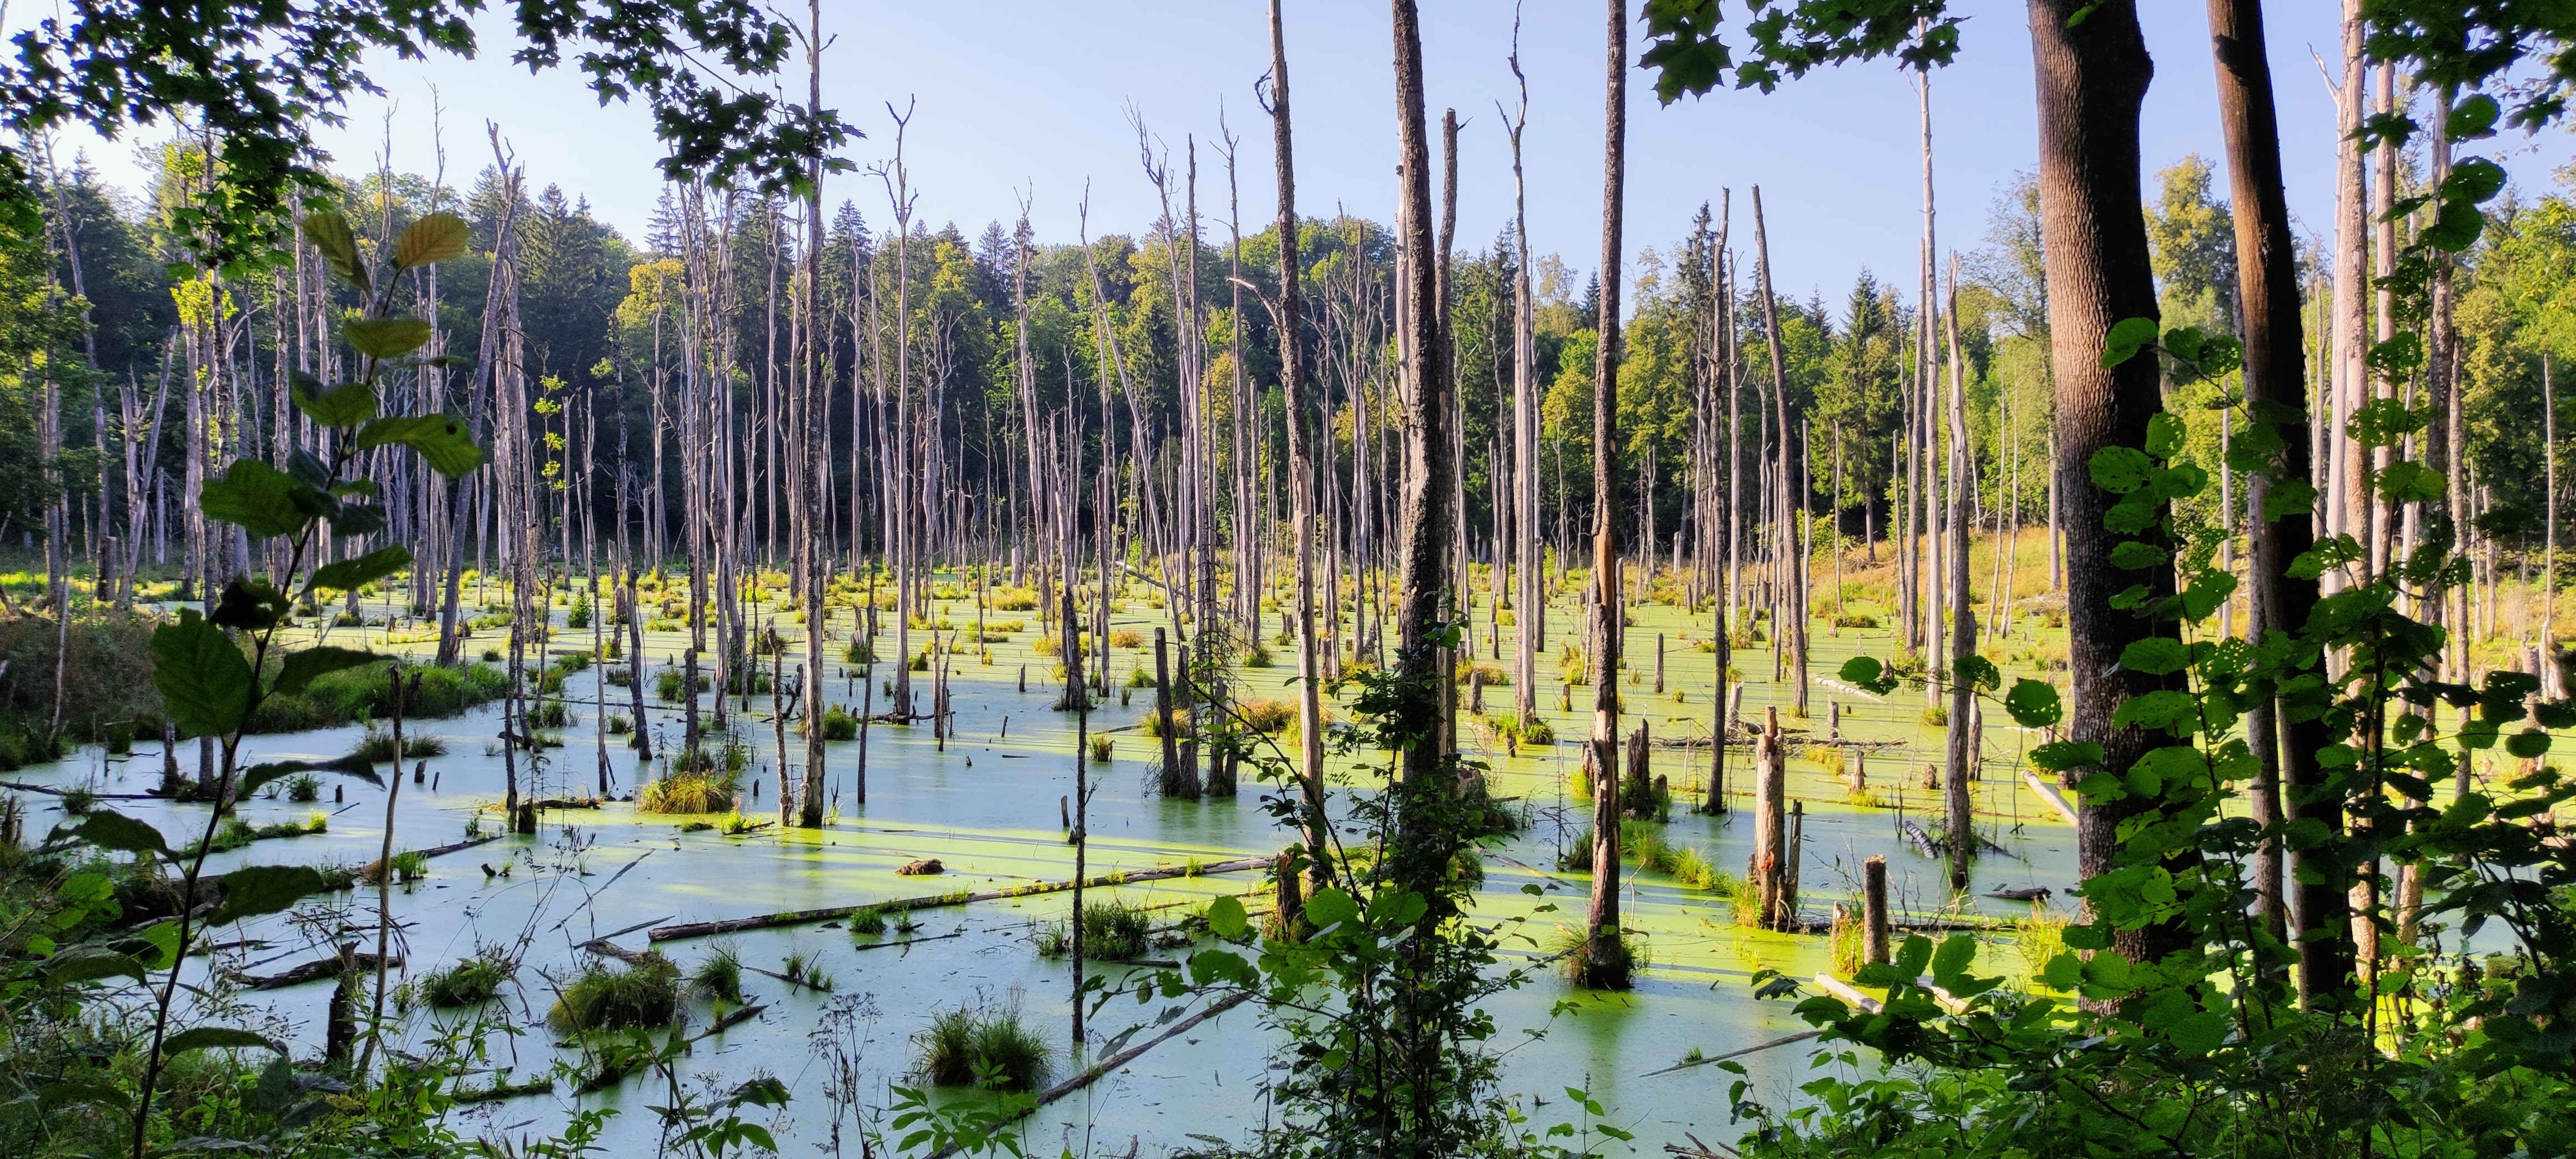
x,y
2092,80
1301,468
2275,362
1601,920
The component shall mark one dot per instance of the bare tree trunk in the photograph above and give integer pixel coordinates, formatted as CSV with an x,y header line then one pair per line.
x,y
1790,625
1963,730
1301,468
1607,952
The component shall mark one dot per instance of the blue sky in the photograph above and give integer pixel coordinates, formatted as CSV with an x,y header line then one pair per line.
x,y
1017,97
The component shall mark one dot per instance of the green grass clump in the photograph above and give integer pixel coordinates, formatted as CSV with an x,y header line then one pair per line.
x,y
1112,931
687,793
470,982
604,997
869,921
1611,964
719,974
378,745
985,1045
304,788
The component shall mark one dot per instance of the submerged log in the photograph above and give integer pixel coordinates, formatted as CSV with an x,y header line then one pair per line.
x,y
832,913
318,970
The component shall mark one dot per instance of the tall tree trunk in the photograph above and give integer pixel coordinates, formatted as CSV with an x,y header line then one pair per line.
x,y
1963,730
1607,953
2092,80
2267,280
1301,466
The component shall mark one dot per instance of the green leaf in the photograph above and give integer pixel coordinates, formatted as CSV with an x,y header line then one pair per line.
x,y
301,667
255,497
93,966
2034,703
1331,907
382,338
2127,337
346,405
329,233
2289,497
2473,179
1225,918
1913,956
2138,555
2165,431
2059,756
1957,953
2155,656
430,240
249,604
2529,742
2121,470
2063,972
347,574
1867,673
111,830
216,1038
353,766
2198,1033
2474,117
74,1092
440,439
2456,229
1977,672
254,890
2163,708
204,681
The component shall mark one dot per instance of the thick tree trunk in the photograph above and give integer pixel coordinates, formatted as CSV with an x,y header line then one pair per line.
x,y
2092,79
1963,738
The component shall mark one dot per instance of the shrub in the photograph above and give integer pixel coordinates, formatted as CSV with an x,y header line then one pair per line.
x,y
550,714
604,997
470,982
1126,638
1100,749
982,1044
304,788
840,724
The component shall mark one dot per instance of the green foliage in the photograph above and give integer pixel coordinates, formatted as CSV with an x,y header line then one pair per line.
x,y
2192,1037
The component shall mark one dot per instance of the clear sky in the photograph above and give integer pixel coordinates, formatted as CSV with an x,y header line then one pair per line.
x,y
1017,98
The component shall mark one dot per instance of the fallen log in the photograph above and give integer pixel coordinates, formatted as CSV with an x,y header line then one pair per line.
x,y
832,913
1092,1073
459,847
52,791
1686,1064
1922,841
2048,792
318,970
608,949
498,1091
